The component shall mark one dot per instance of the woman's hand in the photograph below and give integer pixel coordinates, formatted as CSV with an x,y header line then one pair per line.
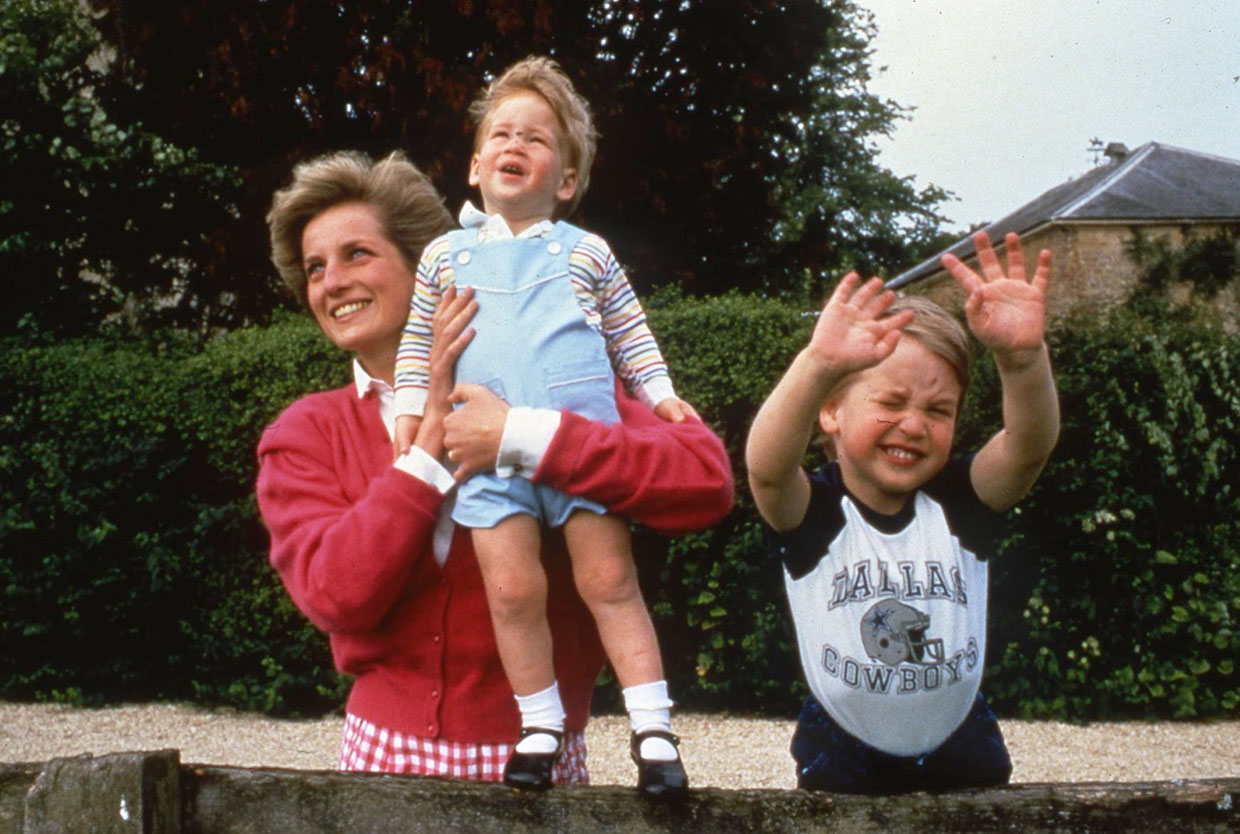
x,y
450,334
472,433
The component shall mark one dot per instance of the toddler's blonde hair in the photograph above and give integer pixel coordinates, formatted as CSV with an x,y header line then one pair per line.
x,y
578,137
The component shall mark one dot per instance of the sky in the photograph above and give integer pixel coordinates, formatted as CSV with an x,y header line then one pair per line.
x,y
1009,93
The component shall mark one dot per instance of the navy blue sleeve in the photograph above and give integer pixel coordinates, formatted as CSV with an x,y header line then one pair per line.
x,y
802,547
976,525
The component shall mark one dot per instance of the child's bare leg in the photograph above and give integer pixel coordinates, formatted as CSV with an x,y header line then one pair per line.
x,y
606,578
516,586
511,563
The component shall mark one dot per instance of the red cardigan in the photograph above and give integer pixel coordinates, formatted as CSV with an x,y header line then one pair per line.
x,y
351,539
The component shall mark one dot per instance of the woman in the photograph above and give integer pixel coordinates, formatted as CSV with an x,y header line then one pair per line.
x,y
364,545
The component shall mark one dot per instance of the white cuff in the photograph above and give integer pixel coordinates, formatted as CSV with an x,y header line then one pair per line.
x,y
656,390
409,400
425,468
527,434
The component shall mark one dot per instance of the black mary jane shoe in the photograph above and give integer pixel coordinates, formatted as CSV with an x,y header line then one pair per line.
x,y
658,779
532,771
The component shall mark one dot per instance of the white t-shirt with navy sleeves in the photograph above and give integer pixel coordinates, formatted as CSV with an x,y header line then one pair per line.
x,y
890,611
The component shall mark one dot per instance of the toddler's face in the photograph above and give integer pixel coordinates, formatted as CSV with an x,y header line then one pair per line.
x,y
892,424
519,166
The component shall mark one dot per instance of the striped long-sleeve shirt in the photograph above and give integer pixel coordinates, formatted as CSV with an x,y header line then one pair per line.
x,y
600,286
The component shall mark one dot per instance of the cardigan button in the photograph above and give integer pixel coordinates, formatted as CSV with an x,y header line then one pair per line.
x,y
430,729
435,639
434,693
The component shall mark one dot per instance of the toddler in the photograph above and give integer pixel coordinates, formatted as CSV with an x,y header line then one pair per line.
x,y
555,314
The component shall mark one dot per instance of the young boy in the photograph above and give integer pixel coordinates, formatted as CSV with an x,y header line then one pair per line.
x,y
885,549
555,311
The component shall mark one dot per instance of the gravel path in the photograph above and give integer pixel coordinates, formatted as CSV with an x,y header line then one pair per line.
x,y
718,751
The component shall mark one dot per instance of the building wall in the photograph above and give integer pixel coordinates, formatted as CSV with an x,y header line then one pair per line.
x,y
1090,266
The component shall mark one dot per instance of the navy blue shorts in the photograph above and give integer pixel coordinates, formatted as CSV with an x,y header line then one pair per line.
x,y
830,759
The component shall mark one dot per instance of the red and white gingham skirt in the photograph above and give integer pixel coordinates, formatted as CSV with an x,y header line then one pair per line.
x,y
377,750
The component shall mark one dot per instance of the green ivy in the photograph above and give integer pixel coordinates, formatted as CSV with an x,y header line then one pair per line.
x,y
1207,262
1119,588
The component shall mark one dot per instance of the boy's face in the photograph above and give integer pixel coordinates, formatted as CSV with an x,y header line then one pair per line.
x,y
893,425
519,164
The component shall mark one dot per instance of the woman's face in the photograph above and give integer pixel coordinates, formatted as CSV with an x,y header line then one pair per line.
x,y
357,284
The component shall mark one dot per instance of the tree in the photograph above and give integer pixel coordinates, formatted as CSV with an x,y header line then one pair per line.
x,y
737,135
98,217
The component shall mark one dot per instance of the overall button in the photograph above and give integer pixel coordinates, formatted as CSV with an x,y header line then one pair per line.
x,y
462,257
554,247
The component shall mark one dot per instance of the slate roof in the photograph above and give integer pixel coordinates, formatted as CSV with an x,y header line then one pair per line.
x,y
1155,182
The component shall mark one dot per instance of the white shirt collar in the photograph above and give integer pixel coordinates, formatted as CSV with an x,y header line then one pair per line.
x,y
364,382
495,227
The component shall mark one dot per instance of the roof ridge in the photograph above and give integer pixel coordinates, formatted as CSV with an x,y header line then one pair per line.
x,y
1202,154
1124,169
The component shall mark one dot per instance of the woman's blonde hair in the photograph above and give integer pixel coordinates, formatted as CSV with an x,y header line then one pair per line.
x,y
409,207
543,76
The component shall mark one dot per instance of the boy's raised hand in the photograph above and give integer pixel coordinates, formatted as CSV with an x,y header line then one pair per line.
x,y
851,333
1007,313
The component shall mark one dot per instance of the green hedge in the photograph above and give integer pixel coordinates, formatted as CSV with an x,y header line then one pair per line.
x,y
133,563
1118,591
131,555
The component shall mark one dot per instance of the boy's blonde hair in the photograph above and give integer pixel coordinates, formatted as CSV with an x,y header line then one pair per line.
x,y
578,137
935,329
409,207
939,332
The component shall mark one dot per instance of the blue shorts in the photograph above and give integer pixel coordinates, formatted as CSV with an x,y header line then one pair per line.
x,y
486,499
830,759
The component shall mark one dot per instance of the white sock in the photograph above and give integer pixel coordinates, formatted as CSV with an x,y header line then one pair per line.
x,y
650,709
542,709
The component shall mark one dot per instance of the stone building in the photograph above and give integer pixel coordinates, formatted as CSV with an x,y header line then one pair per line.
x,y
1089,223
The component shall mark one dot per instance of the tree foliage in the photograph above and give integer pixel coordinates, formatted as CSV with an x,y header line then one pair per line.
x,y
737,135
98,216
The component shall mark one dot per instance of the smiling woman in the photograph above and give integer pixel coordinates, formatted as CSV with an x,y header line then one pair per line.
x,y
358,284
363,543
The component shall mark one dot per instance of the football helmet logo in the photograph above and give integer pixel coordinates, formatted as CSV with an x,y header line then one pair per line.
x,y
895,633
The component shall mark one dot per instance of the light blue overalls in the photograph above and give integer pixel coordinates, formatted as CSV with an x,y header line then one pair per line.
x,y
532,346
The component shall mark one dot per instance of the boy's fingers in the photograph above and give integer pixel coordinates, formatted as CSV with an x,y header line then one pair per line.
x,y
880,303
1015,257
986,257
896,323
887,345
844,288
1042,276
959,270
867,292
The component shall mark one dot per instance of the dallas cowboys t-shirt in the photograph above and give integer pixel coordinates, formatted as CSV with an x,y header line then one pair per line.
x,y
890,610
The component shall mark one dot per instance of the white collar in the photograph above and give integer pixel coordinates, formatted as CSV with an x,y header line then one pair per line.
x,y
365,383
495,227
